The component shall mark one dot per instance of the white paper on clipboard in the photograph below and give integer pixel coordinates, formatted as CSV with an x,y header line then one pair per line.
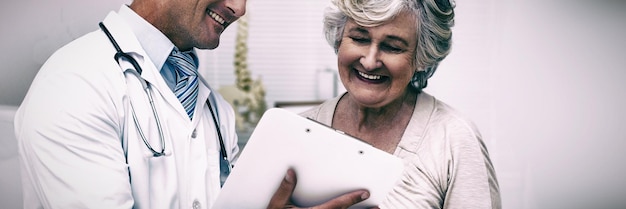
x,y
327,162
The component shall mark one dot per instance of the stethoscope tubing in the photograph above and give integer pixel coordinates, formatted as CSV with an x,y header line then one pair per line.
x,y
137,72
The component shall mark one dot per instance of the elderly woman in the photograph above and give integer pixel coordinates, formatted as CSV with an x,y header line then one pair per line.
x,y
387,50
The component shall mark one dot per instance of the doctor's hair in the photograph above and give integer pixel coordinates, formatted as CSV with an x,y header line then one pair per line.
x,y
434,20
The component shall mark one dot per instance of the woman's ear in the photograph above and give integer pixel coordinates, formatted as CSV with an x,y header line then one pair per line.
x,y
419,80
337,44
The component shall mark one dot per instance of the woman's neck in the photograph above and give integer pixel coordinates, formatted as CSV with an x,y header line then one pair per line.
x,y
381,127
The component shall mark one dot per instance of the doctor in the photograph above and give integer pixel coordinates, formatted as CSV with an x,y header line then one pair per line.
x,y
112,120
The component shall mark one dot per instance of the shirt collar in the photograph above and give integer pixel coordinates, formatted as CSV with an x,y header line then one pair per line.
x,y
157,46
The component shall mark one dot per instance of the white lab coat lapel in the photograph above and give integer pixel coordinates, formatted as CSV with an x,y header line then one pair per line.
x,y
211,138
129,44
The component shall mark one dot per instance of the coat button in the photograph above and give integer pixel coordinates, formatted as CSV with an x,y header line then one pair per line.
x,y
194,134
196,205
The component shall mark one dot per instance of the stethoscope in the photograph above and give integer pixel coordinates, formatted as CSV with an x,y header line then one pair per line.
x,y
225,166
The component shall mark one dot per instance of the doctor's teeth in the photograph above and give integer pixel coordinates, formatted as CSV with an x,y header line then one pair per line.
x,y
216,17
371,77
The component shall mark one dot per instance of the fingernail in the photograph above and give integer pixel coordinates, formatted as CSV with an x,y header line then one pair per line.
x,y
289,177
365,195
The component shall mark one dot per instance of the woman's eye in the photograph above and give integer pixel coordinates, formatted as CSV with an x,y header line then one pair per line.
x,y
391,48
360,40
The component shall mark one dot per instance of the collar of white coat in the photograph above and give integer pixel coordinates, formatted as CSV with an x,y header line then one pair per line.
x,y
127,40
156,45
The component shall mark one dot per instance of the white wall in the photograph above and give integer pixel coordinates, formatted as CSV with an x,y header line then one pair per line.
x,y
557,100
541,79
286,47
32,30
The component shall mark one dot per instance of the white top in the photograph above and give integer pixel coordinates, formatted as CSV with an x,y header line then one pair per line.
x,y
76,117
446,162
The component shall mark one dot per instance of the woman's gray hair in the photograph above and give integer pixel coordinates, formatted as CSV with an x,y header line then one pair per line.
x,y
434,19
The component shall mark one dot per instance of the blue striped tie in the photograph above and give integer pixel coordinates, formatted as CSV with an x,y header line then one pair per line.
x,y
186,79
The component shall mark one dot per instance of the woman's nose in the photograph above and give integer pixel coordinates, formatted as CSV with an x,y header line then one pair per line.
x,y
370,60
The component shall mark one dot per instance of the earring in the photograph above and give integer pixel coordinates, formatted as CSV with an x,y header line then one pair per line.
x,y
419,80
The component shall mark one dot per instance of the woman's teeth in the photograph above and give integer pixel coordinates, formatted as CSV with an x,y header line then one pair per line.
x,y
216,17
371,77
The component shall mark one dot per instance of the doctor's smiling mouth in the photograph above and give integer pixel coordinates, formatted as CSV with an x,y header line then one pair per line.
x,y
222,17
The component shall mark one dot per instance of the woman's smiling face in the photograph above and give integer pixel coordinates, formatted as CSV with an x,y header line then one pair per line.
x,y
376,64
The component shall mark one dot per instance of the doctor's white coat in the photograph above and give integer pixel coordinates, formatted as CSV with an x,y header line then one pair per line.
x,y
76,119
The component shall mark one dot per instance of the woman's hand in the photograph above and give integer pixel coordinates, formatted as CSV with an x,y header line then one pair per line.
x,y
281,198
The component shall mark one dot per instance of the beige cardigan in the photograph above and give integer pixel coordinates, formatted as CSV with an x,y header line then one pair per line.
x,y
447,164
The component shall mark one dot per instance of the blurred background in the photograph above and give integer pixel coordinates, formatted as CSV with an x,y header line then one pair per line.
x,y
541,79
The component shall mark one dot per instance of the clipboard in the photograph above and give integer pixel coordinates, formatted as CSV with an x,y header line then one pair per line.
x,y
327,162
